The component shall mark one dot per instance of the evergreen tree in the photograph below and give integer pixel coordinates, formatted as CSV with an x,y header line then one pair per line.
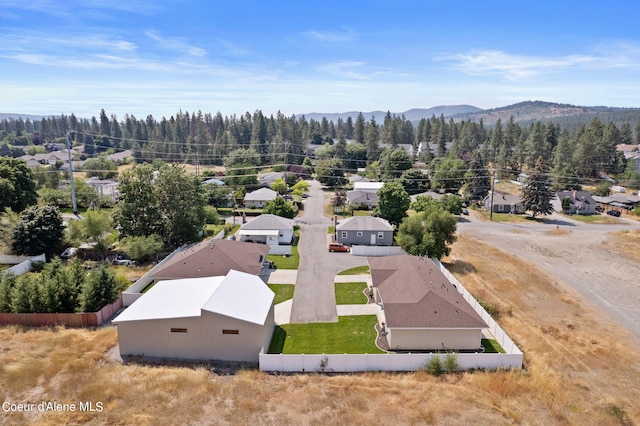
x,y
478,180
536,191
358,129
100,289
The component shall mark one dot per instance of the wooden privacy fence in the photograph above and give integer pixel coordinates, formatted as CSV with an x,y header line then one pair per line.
x,y
85,319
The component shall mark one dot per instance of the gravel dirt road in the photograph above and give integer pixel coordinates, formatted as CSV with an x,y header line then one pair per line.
x,y
578,254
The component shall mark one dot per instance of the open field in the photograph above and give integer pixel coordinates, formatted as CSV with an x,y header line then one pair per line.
x,y
579,370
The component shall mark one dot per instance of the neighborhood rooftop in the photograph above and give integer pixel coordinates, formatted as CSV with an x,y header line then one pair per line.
x,y
186,298
212,258
364,223
415,293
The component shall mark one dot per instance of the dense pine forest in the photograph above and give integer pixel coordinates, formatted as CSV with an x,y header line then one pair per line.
x,y
572,154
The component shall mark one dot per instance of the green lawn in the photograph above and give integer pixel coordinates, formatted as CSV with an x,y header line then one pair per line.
x,y
283,292
358,270
350,335
506,217
596,219
290,262
492,347
283,262
350,293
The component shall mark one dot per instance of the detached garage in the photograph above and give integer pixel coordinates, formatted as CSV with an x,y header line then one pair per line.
x,y
227,318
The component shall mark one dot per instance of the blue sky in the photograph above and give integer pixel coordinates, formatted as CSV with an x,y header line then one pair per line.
x,y
143,57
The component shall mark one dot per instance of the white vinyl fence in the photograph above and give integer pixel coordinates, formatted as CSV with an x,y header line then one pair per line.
x,y
22,263
374,251
381,362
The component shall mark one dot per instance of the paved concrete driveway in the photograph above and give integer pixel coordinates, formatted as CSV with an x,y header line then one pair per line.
x,y
314,295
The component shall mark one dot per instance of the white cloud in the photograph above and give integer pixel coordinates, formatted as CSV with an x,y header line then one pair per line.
x,y
350,69
514,66
176,43
330,36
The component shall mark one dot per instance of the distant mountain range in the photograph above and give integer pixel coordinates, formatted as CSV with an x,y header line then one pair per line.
x,y
523,112
413,115
566,115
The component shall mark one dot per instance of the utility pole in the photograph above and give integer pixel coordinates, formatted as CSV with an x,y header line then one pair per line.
x,y
73,187
493,189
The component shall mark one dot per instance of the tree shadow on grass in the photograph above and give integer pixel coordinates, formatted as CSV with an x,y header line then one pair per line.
x,y
460,267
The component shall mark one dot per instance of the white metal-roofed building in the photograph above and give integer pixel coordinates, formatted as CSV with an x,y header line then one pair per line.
x,y
226,318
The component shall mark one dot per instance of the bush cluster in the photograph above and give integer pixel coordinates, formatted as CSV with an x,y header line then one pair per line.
x,y
59,289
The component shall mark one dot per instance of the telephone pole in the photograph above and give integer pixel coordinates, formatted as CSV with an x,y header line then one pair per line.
x,y
73,187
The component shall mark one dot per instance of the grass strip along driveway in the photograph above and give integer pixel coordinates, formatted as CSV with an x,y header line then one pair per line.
x,y
351,293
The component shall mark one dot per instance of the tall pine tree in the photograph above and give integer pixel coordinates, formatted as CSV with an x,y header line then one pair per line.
x,y
536,191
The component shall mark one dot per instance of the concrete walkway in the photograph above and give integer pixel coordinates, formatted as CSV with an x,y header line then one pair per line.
x,y
282,311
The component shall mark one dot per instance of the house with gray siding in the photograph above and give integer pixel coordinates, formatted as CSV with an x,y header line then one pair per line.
x,y
504,203
580,202
364,230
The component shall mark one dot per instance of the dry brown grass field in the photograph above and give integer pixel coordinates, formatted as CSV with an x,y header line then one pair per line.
x,y
581,368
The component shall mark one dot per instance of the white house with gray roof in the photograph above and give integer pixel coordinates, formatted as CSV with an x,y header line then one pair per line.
x,y
364,230
227,318
274,231
259,197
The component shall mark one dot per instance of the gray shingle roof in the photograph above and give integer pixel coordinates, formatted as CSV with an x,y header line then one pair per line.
x,y
364,223
415,293
268,222
262,194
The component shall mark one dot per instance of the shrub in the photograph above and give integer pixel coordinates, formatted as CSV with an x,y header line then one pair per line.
x,y
434,366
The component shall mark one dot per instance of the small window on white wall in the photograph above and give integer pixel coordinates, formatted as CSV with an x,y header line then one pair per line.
x,y
380,235
359,233
344,234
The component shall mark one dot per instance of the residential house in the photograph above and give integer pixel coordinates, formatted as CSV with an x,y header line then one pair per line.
x,y
364,230
422,309
362,199
121,157
618,201
366,186
259,197
105,187
274,231
504,203
207,258
580,202
229,318
267,179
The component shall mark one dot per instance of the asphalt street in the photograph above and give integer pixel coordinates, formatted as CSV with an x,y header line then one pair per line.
x,y
314,294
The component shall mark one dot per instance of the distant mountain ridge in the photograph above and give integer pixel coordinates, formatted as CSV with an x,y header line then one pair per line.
x,y
413,115
11,116
523,112
566,115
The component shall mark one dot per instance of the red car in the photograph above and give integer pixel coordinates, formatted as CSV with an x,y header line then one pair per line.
x,y
338,247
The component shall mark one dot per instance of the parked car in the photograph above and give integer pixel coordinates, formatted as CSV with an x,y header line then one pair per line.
x,y
615,213
600,209
338,247
465,212
124,262
69,252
